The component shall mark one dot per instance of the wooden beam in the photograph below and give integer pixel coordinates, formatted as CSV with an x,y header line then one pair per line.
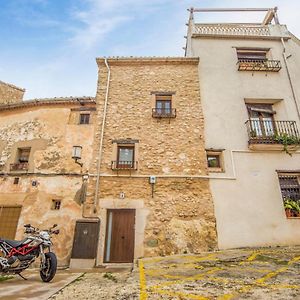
x,y
269,17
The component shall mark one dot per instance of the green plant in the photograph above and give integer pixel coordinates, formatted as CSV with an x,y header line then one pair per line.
x,y
110,276
286,140
5,277
292,205
253,133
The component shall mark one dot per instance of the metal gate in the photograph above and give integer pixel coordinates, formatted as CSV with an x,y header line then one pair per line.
x,y
85,239
9,218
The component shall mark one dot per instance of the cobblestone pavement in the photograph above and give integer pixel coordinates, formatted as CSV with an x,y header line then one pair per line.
x,y
264,273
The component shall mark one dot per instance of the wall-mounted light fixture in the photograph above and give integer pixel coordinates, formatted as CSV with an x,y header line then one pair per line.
x,y
76,154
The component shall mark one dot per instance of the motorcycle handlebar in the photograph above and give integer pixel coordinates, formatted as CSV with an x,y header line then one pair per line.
x,y
30,229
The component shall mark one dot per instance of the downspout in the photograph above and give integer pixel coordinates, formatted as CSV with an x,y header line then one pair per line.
x,y
289,77
101,137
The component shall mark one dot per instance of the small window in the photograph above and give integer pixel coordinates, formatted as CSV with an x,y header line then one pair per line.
x,y
84,119
56,204
214,161
125,159
163,107
252,54
16,180
23,155
290,191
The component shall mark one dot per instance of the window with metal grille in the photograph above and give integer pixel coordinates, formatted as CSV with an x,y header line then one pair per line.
x,y
84,119
56,204
290,190
290,186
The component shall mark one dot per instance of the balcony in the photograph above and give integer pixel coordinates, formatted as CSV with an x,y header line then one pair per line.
x,y
250,31
275,135
232,30
19,166
259,65
164,112
124,165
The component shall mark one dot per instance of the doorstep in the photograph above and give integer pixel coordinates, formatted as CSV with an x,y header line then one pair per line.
x,y
78,263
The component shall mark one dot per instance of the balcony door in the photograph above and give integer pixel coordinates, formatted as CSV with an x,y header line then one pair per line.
x,y
261,120
125,157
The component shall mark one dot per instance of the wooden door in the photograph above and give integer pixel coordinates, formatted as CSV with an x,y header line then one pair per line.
x,y
85,240
9,218
120,232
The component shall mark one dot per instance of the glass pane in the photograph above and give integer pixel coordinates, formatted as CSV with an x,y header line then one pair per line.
x,y
213,161
125,155
268,126
255,127
167,107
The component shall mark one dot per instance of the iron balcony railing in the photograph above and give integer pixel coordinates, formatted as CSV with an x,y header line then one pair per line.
x,y
259,65
19,166
272,132
124,165
164,112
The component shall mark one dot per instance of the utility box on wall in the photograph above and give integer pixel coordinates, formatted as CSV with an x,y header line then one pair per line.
x,y
152,179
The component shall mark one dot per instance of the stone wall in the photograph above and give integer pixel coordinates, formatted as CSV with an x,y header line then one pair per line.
x,y
52,173
180,216
10,93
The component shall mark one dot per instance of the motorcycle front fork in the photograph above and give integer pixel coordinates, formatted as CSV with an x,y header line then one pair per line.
x,y
43,257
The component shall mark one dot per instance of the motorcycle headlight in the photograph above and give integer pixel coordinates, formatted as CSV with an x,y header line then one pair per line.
x,y
45,235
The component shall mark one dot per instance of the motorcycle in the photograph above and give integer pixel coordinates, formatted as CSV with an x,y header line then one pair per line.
x,y
17,256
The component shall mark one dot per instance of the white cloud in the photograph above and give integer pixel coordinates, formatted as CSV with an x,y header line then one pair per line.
x,y
101,17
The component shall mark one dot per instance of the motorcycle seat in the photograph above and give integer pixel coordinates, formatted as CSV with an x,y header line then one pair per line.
x,y
14,243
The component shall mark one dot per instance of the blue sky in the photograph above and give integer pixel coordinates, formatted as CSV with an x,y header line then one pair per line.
x,y
49,46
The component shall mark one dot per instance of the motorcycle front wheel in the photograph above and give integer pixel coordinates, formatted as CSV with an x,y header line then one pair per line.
x,y
49,269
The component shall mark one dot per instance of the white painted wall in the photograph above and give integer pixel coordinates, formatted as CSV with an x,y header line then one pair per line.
x,y
247,198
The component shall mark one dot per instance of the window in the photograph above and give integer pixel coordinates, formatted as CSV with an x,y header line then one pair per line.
x,y
22,160
252,54
84,119
261,120
256,60
163,104
163,107
56,204
290,191
16,180
23,155
125,159
215,160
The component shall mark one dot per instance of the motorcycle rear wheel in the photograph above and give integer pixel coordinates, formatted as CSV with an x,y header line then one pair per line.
x,y
48,273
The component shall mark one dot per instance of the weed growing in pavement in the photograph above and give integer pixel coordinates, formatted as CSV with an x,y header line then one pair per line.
x,y
3,278
110,276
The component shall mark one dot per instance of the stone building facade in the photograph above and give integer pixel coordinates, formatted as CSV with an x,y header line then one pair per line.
x,y
143,187
165,181
39,181
10,93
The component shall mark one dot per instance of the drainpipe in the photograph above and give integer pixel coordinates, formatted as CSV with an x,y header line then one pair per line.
x,y
289,77
101,137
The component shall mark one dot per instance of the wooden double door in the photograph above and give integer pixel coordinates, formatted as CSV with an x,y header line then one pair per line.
x,y
120,232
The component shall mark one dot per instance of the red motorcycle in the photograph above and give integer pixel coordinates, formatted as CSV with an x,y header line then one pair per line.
x,y
19,255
